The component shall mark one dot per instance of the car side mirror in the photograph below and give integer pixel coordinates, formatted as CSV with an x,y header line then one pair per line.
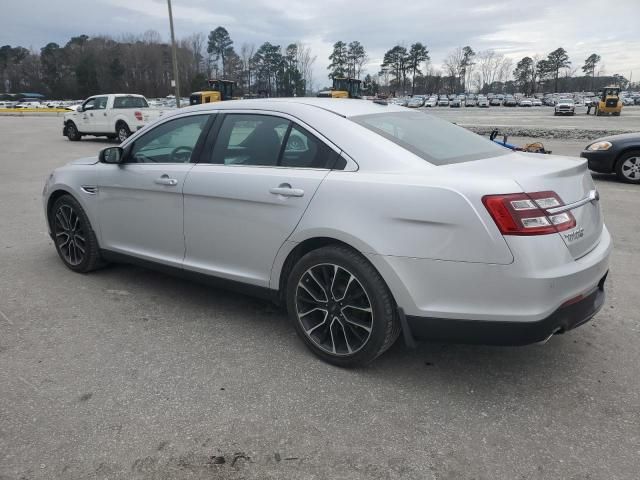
x,y
112,155
79,108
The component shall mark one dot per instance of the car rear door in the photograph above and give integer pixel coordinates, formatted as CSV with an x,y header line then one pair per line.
x,y
248,193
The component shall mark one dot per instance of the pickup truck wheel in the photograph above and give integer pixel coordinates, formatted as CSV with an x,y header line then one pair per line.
x,y
72,132
123,132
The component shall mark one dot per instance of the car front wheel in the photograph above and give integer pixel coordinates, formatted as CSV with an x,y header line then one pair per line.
x,y
73,236
72,132
341,306
628,167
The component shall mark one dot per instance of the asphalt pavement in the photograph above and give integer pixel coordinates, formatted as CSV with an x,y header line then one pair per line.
x,y
131,374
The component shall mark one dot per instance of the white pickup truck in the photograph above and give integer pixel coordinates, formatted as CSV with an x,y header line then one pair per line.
x,y
112,116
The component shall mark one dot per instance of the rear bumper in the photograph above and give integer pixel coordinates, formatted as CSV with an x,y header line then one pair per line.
x,y
601,161
485,332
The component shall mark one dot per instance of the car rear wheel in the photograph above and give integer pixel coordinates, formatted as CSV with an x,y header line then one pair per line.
x,y
73,236
341,306
72,132
628,167
123,131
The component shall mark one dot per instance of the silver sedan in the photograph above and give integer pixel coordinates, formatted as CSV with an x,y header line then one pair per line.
x,y
366,220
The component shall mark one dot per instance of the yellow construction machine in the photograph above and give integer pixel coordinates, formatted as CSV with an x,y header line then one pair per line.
x,y
343,88
609,102
218,91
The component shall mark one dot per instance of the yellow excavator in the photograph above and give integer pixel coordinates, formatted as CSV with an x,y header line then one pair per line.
x,y
343,88
609,102
218,91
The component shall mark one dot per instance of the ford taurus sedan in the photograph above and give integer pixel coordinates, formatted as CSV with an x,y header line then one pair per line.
x,y
366,220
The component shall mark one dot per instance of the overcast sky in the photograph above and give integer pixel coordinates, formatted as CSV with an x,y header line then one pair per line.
x,y
515,28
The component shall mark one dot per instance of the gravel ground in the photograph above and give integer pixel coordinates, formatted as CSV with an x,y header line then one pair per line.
x,y
130,374
539,122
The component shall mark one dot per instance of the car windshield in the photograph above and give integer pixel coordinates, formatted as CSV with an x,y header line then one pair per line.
x,y
436,141
565,100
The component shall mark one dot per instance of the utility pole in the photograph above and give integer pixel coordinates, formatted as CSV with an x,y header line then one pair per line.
x,y
174,52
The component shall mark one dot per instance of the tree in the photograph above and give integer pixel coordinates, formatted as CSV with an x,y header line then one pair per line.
x,y
555,61
396,60
524,74
356,58
418,53
267,61
466,65
339,60
589,67
305,62
219,43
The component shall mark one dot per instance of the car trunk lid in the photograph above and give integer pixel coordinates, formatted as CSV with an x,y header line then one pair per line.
x,y
568,177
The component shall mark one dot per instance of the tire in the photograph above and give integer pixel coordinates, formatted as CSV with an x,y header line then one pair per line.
x,y
616,114
351,330
72,132
628,167
122,131
73,236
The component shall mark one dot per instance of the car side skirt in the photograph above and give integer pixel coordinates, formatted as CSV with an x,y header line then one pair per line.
x,y
263,293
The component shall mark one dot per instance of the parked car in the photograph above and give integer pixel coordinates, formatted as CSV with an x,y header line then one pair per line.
x,y
483,102
431,102
415,102
525,102
455,103
466,241
495,102
443,102
111,116
509,102
536,102
565,106
29,104
470,102
619,154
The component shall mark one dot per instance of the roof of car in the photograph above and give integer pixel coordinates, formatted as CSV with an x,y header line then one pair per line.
x,y
346,107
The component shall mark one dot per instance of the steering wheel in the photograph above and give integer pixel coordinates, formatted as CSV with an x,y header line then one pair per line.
x,y
180,154
295,144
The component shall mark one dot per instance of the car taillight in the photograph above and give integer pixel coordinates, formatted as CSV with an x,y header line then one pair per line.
x,y
138,115
525,213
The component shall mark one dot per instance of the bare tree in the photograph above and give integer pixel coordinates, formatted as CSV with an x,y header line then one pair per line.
x,y
247,51
305,60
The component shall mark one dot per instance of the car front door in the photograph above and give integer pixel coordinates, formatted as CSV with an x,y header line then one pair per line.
x,y
140,203
248,193
85,117
98,116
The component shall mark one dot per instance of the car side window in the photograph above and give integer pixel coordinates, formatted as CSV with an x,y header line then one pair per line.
x,y
304,150
245,139
170,142
89,104
100,103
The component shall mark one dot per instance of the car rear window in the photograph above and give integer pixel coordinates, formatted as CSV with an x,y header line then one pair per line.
x,y
436,141
130,102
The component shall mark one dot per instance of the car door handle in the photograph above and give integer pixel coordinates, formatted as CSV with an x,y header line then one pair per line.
x,y
286,191
165,180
